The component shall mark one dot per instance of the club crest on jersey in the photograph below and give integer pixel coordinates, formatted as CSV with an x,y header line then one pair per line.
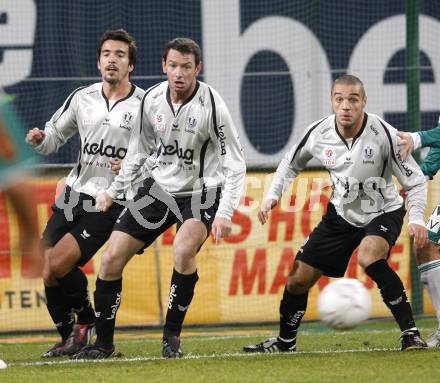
x,y
127,118
159,122
191,124
329,156
368,155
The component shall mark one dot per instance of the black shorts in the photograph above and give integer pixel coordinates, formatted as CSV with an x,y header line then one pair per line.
x,y
153,211
331,244
91,229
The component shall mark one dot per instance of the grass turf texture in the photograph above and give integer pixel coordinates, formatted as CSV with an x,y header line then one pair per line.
x,y
369,353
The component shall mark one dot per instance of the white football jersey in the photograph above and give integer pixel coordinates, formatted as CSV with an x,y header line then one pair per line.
x,y
104,128
360,168
185,149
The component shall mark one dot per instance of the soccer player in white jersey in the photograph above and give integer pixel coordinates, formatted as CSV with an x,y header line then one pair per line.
x,y
103,114
428,257
361,154
196,173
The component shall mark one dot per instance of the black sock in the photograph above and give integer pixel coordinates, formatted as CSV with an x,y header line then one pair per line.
x,y
292,309
393,293
107,302
59,311
181,294
75,286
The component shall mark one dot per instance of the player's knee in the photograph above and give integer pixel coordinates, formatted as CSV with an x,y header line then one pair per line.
x,y
184,249
112,264
48,277
59,265
371,250
430,252
300,279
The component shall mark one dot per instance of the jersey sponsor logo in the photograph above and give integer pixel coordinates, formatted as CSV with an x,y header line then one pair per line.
x,y
408,171
107,151
222,139
187,155
329,156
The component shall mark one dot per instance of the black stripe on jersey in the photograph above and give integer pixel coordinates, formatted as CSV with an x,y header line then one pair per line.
x,y
78,165
364,123
69,100
361,130
142,103
214,112
306,137
133,87
393,156
381,176
170,103
202,157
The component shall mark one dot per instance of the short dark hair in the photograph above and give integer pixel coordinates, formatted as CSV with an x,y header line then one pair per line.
x,y
348,79
120,35
183,45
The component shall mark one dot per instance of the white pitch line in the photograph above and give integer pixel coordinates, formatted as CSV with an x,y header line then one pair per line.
x,y
204,337
202,356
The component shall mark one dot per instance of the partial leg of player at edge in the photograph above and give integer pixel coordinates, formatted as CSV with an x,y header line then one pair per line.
x,y
428,260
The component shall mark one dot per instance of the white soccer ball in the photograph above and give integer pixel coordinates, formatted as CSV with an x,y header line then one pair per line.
x,y
3,364
344,304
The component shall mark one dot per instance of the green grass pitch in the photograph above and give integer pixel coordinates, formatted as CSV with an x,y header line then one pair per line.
x,y
369,353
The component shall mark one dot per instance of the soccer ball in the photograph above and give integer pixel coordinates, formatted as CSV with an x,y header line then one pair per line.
x,y
344,304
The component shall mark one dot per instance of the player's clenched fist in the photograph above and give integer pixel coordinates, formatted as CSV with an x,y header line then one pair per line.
x,y
35,136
